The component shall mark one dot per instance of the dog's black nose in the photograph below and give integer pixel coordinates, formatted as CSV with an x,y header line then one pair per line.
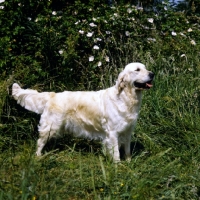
x,y
151,75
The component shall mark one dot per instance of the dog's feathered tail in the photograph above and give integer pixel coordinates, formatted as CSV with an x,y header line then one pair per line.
x,y
30,99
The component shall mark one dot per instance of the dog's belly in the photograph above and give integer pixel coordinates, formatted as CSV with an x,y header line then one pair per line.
x,y
83,123
79,128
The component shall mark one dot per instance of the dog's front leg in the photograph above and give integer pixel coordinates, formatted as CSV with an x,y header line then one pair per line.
x,y
127,148
111,144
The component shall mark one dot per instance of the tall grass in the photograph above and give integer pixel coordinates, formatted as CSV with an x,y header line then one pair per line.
x,y
164,165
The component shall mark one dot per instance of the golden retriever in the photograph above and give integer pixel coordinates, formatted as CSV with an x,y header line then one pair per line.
x,y
109,115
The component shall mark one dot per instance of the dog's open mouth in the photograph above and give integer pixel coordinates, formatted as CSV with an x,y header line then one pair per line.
x,y
146,85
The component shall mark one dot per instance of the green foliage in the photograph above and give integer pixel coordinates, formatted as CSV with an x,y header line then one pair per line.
x,y
77,46
57,44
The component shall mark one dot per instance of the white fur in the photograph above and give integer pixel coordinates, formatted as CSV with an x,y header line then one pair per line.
x,y
109,115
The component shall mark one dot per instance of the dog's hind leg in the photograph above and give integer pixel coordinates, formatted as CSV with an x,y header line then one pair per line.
x,y
49,127
44,138
44,135
40,145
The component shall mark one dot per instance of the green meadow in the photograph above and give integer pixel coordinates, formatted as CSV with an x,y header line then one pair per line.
x,y
77,46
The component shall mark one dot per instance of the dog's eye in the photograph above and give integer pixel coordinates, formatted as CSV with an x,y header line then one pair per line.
x,y
138,69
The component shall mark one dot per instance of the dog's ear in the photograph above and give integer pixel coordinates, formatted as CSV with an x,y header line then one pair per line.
x,y
122,81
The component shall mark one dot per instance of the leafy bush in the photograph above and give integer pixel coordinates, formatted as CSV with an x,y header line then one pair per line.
x,y
80,40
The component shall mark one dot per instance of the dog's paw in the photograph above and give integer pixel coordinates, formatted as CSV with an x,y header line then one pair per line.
x,y
38,154
128,159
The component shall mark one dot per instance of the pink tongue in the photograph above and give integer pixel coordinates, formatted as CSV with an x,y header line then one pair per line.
x,y
149,85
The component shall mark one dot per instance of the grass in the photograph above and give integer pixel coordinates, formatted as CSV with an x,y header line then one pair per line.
x,y
164,165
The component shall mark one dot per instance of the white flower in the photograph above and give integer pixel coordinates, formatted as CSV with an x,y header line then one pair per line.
x,y
150,20
129,10
92,24
165,8
139,8
113,7
174,33
90,34
81,32
112,18
190,69
94,19
151,39
127,33
36,20
96,47
106,21
77,22
107,59
195,95
90,9
1,7
193,42
60,52
99,64
115,14
182,34
1,1
54,13
183,55
91,58
97,39
189,30
108,32
29,18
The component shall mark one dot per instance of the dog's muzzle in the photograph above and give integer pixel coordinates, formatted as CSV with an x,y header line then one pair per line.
x,y
147,84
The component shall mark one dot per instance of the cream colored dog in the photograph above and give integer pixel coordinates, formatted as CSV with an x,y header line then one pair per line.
x,y
109,115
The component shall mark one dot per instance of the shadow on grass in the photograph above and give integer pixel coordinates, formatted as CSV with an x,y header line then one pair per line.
x,y
87,146
136,148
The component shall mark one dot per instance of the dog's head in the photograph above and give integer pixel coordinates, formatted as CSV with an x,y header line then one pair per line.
x,y
135,75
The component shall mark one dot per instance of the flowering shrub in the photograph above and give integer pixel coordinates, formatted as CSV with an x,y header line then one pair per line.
x,y
77,44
